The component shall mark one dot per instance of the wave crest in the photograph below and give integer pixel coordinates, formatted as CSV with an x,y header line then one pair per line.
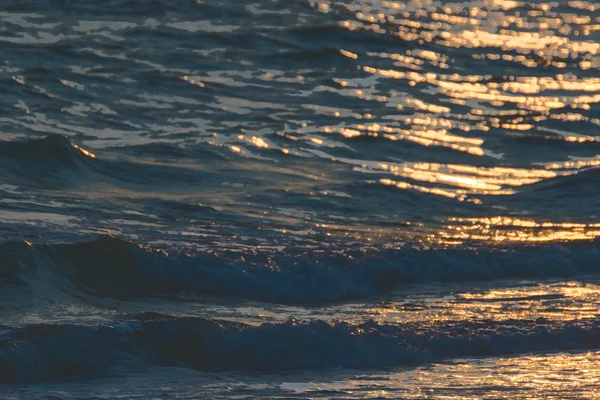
x,y
51,352
116,268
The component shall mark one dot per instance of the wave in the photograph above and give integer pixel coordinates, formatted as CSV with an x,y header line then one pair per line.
x,y
50,160
565,191
580,184
55,162
115,268
51,352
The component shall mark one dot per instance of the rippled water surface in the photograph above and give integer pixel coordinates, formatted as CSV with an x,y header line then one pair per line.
x,y
337,199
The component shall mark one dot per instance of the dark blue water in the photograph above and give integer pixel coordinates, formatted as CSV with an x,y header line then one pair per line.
x,y
345,199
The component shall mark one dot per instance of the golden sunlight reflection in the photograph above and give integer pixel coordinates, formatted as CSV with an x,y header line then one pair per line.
x,y
84,151
523,94
534,376
461,182
512,229
419,135
469,180
551,302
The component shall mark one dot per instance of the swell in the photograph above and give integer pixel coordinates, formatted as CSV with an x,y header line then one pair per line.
x,y
580,184
50,160
581,189
115,268
55,162
53,352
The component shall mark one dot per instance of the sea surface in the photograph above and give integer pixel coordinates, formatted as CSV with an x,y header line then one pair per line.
x,y
299,199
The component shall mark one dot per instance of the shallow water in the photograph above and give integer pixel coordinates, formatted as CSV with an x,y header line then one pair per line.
x,y
342,199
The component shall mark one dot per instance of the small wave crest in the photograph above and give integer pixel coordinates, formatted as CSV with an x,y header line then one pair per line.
x,y
51,160
52,148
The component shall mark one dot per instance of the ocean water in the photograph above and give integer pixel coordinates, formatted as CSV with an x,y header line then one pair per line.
x,y
299,199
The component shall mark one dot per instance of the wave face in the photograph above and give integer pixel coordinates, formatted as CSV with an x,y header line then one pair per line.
x,y
119,269
50,352
431,166
52,160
